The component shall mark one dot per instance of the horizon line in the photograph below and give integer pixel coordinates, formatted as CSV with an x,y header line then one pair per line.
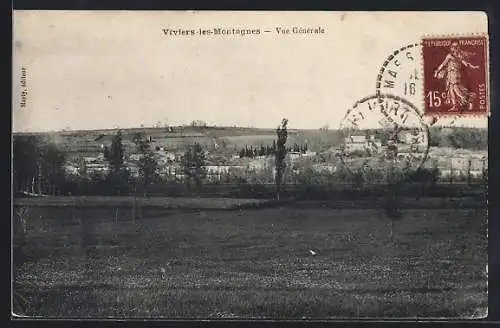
x,y
206,127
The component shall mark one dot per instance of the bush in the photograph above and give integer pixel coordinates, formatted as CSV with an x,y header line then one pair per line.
x,y
309,176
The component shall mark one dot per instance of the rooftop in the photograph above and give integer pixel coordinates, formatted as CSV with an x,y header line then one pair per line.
x,y
355,139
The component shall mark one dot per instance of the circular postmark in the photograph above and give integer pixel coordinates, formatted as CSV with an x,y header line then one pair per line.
x,y
382,129
400,74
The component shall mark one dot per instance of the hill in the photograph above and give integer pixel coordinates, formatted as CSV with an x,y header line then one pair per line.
x,y
178,137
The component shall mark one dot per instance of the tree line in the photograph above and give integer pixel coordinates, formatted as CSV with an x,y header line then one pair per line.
x,y
39,168
459,137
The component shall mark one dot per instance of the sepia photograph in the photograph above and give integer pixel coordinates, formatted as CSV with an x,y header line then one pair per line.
x,y
248,165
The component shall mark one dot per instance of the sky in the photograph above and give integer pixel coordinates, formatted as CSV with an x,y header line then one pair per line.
x,y
97,70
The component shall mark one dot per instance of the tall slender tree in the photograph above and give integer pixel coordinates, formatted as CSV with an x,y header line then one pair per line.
x,y
114,155
469,172
282,135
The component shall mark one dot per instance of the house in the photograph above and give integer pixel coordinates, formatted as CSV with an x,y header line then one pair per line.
x,y
102,168
133,170
459,163
309,154
89,160
405,148
217,169
170,169
476,173
259,164
355,143
215,172
355,139
293,155
71,169
462,163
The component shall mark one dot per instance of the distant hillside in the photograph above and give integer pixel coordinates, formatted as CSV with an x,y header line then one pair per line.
x,y
177,137
216,131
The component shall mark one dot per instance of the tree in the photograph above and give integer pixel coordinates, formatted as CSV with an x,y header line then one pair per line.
x,y
262,151
52,168
485,173
82,167
392,201
193,163
147,161
280,154
357,179
114,155
469,173
425,179
459,137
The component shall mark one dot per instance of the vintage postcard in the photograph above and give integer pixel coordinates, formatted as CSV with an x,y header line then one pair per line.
x,y
250,165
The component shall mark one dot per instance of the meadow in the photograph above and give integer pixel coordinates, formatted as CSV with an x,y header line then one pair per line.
x,y
250,263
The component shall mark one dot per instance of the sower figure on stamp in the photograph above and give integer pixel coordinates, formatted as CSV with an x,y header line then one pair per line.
x,y
457,93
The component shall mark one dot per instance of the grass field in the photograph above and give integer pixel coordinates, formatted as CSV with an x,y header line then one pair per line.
x,y
89,262
128,202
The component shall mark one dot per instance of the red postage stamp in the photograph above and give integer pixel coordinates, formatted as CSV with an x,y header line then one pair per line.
x,y
455,75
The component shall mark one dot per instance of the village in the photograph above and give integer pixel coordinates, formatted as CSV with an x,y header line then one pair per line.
x,y
223,161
